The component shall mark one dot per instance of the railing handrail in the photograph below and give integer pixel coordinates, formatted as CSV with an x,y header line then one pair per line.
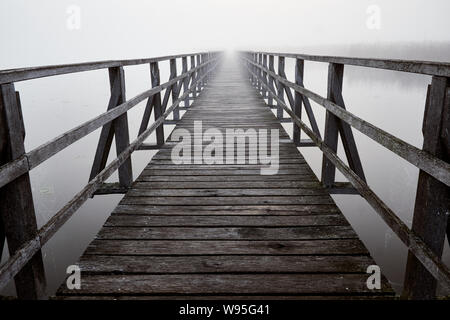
x,y
436,167
427,162
13,169
431,68
22,74
31,159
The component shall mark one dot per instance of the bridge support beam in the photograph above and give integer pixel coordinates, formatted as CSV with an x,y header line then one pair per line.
x,y
118,128
432,205
153,102
335,126
17,215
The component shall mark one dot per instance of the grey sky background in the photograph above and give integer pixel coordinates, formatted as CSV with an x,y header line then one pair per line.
x,y
34,32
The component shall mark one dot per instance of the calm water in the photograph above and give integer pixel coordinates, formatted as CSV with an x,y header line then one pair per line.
x,y
387,99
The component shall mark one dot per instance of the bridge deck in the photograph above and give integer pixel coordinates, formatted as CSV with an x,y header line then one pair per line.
x,y
226,230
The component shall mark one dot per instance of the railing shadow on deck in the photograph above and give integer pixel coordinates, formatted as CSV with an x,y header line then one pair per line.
x,y
17,219
425,240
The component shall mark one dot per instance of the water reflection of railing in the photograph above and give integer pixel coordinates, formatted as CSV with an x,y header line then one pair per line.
x,y
430,224
17,221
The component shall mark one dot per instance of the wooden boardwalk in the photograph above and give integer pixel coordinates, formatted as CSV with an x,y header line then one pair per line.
x,y
220,231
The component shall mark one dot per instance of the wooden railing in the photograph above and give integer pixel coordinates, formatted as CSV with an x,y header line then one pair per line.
x,y
18,221
432,207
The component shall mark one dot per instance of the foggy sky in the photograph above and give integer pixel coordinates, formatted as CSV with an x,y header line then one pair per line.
x,y
34,32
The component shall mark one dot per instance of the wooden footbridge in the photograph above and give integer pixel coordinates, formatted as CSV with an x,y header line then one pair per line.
x,y
221,228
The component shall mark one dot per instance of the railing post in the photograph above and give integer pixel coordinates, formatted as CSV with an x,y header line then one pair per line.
x,y
155,78
118,128
203,71
193,75
280,91
255,78
185,81
122,137
432,206
16,200
260,86
298,99
207,68
199,73
249,56
265,92
255,70
333,125
173,74
270,101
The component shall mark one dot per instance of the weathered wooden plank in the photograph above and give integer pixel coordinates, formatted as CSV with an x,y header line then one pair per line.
x,y
304,209
224,192
220,172
227,233
250,200
168,161
226,284
201,167
256,177
223,264
130,220
372,296
226,185
226,247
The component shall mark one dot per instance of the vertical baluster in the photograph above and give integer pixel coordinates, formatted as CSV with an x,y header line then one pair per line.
x,y
270,101
155,78
193,76
298,98
185,81
280,91
265,92
175,87
199,73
